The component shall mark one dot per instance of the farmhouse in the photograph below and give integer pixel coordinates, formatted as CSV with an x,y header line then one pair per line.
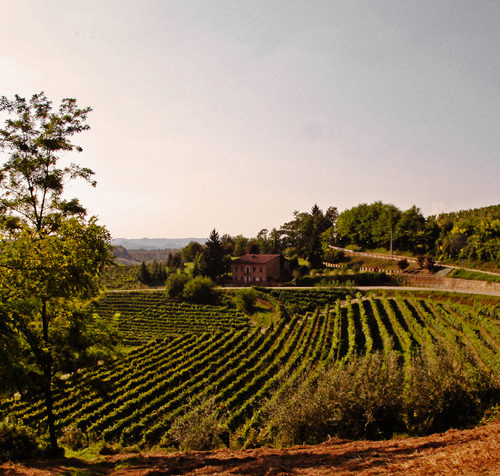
x,y
257,268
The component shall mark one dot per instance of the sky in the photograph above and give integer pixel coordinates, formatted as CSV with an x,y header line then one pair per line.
x,y
232,114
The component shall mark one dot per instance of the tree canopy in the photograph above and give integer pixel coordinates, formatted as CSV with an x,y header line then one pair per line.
x,y
50,254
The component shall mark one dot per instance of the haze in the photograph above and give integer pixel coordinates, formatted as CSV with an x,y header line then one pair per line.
x,y
232,114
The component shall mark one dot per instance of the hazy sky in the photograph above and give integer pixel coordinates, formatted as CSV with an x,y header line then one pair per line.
x,y
233,114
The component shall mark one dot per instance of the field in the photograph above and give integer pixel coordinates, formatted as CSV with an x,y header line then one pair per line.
x,y
477,275
183,354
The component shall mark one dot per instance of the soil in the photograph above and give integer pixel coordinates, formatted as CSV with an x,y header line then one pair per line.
x,y
465,452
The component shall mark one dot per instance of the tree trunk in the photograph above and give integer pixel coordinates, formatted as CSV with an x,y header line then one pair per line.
x,y
47,374
47,380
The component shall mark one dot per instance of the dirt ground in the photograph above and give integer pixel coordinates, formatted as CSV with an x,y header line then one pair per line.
x,y
465,452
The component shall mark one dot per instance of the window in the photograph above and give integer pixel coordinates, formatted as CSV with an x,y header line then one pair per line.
x,y
260,269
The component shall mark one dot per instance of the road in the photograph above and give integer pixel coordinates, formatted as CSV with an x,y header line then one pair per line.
x,y
397,258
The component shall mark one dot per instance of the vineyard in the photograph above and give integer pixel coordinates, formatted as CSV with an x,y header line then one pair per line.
x,y
147,315
186,353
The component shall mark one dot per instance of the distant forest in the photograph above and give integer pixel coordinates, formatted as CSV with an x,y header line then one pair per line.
x,y
467,236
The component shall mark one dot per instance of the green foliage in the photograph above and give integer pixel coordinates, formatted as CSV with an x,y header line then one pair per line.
x,y
143,316
50,255
200,290
368,398
246,300
466,274
471,235
190,251
368,278
175,284
155,275
144,274
362,368
17,442
200,428
304,234
214,264
359,400
31,184
334,256
443,392
368,226
73,438
120,276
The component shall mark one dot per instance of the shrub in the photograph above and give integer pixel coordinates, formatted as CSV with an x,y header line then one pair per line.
x,y
200,290
73,438
246,299
175,284
445,391
362,399
429,264
199,428
17,442
334,256
403,264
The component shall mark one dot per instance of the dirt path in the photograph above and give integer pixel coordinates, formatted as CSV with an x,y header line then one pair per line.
x,y
466,452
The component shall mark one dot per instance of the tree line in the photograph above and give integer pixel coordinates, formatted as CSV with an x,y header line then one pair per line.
x,y
472,235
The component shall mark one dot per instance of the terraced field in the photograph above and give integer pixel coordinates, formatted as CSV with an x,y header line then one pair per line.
x,y
194,352
146,315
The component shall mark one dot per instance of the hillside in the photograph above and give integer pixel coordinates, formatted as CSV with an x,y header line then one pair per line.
x,y
154,243
185,353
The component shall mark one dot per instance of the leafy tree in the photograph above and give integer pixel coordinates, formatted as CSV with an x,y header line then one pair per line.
x,y
253,248
227,243
190,251
174,286
50,254
409,230
246,300
200,290
303,235
240,245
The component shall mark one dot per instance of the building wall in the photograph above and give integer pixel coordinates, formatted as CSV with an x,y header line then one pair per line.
x,y
257,272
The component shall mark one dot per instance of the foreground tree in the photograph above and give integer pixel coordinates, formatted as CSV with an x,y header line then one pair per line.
x,y
50,254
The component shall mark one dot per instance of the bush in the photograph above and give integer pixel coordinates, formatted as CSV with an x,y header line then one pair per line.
x,y
200,290
403,264
445,391
73,438
334,256
199,429
375,396
362,399
246,299
175,284
17,442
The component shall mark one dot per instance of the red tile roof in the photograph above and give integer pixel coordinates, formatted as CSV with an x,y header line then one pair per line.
x,y
255,259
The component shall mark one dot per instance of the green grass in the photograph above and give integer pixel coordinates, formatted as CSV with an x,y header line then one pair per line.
x,y
476,275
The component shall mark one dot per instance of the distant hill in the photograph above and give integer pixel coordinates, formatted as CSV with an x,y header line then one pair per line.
x,y
155,243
